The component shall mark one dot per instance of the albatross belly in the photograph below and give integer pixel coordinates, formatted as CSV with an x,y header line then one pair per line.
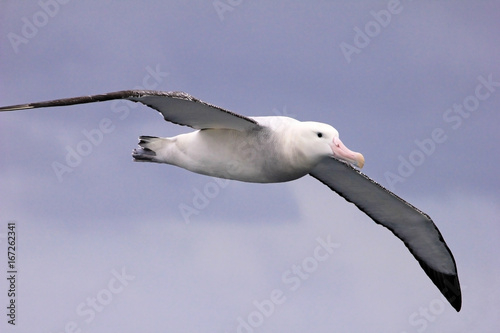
x,y
249,156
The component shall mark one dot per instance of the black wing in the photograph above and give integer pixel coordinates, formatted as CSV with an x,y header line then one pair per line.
x,y
177,107
412,226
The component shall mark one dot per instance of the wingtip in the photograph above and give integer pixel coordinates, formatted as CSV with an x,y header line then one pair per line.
x,y
453,293
448,285
16,107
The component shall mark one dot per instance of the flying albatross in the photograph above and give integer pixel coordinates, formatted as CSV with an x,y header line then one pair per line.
x,y
279,149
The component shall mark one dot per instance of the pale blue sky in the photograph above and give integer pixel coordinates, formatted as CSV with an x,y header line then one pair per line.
x,y
402,99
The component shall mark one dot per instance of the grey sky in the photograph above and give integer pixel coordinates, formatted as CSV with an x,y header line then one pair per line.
x,y
402,99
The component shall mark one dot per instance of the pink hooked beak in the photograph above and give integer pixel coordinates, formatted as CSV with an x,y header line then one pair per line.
x,y
342,152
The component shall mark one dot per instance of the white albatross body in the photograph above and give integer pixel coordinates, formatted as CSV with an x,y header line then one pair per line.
x,y
279,149
282,149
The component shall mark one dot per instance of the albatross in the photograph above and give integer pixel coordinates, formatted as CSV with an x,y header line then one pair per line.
x,y
279,149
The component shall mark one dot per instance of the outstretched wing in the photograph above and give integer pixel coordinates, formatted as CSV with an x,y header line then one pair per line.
x,y
412,226
177,107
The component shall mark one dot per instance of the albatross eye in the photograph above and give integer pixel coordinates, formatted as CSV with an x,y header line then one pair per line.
x,y
320,134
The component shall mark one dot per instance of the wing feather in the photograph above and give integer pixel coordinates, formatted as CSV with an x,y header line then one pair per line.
x,y
408,223
177,107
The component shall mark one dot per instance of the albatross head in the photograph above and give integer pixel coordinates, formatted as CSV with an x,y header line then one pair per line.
x,y
320,140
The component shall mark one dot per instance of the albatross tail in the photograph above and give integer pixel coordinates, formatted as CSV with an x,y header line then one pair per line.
x,y
149,146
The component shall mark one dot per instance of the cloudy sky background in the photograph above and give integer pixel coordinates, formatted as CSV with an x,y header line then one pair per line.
x,y
106,215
